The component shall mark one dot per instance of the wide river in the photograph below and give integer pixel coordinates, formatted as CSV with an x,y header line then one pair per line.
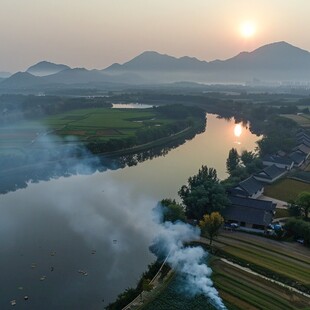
x,y
77,242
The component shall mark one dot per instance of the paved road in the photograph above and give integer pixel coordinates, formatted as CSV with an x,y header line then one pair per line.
x,y
280,203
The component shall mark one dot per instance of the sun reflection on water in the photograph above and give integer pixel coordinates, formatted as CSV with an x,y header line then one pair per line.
x,y
238,130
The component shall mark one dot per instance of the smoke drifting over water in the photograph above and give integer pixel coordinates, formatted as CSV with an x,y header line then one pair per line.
x,y
188,262
91,212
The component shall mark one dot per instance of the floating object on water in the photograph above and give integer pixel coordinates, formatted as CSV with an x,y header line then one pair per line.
x,y
26,297
42,278
33,265
52,268
53,253
20,288
84,273
13,302
93,252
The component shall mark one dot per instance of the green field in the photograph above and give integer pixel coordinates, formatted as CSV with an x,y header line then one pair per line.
x,y
173,298
240,290
84,125
302,120
286,189
285,259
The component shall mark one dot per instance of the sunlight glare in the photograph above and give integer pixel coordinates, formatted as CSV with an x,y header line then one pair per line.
x,y
238,130
247,29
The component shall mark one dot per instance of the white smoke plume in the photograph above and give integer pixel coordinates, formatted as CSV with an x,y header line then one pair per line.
x,y
187,261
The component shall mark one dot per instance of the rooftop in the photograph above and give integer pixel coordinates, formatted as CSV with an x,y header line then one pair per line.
x,y
252,211
270,172
250,185
284,160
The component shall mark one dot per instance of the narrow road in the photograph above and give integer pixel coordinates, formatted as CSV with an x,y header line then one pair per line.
x,y
280,203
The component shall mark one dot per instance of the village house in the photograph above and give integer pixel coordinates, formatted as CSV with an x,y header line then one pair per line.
x,y
249,213
283,162
298,157
249,187
302,148
270,174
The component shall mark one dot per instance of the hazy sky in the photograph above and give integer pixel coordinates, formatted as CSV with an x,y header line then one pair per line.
x,y
97,33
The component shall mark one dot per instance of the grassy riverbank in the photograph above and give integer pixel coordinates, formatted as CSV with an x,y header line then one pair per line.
x,y
80,133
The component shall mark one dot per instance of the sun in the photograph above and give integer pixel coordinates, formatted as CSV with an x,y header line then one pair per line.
x,y
247,29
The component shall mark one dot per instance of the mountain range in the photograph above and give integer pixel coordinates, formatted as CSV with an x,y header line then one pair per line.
x,y
279,61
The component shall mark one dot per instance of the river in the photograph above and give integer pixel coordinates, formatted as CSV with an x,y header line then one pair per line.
x,y
77,242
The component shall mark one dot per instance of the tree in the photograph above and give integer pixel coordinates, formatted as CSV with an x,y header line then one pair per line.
x,y
210,225
299,229
303,201
203,194
247,157
293,209
172,211
232,162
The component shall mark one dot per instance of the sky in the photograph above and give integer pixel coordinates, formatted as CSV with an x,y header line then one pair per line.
x,y
97,33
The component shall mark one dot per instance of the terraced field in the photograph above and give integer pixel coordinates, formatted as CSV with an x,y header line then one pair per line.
x,y
283,259
241,289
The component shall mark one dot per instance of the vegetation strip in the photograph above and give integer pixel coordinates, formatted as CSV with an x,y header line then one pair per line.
x,y
306,260
263,277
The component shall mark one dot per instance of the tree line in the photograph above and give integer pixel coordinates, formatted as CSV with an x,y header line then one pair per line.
x,y
14,108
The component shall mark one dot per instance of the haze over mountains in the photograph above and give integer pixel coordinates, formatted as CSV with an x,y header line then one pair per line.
x,y
44,68
278,61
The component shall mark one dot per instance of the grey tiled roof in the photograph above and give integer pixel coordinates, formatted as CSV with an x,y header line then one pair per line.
x,y
297,157
284,160
250,185
303,148
252,211
270,172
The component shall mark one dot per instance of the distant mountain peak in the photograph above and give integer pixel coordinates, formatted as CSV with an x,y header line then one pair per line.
x,y
155,61
44,67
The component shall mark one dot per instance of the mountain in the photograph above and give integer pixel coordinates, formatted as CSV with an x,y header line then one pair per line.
x,y
153,61
278,61
4,75
44,68
21,80
84,76
273,62
275,56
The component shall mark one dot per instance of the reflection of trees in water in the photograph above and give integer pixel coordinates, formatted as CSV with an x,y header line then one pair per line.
x,y
134,159
82,163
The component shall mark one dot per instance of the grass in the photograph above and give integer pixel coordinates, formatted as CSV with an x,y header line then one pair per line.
x,y
174,298
241,290
271,262
281,213
85,125
302,120
286,189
